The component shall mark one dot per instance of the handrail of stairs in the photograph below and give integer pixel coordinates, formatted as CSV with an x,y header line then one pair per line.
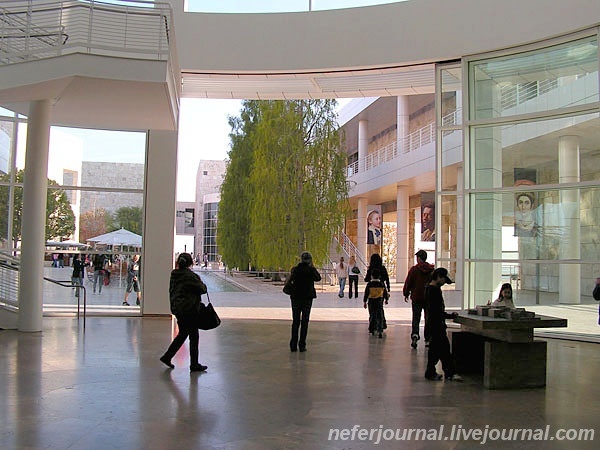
x,y
351,250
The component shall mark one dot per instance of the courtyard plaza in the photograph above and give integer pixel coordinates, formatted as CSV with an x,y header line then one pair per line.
x,y
104,387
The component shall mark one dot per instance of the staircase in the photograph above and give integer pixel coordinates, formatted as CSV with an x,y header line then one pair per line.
x,y
343,242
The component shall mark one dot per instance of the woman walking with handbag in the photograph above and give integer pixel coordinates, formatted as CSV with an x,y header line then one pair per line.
x,y
353,273
185,289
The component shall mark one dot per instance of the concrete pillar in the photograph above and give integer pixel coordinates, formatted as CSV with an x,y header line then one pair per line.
x,y
569,282
361,228
402,122
363,143
33,221
403,259
159,220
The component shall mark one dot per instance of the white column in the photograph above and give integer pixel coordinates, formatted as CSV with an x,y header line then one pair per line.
x,y
363,143
402,122
159,220
569,282
403,259
361,228
33,221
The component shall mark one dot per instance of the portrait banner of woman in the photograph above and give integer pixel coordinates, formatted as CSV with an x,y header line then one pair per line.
x,y
374,227
525,204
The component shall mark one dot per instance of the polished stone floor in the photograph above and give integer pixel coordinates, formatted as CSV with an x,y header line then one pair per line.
x,y
105,388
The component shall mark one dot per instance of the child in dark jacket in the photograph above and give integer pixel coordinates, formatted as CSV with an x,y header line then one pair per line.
x,y
375,294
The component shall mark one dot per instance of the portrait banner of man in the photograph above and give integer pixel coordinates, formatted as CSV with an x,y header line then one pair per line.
x,y
525,204
427,216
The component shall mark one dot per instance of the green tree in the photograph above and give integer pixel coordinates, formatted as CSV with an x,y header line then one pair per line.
x,y
233,226
297,186
60,219
128,217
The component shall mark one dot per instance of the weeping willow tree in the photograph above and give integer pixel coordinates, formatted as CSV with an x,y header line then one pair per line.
x,y
233,226
299,190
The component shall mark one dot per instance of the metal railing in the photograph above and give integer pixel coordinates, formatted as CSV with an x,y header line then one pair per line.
x,y
9,282
409,143
79,287
130,29
350,249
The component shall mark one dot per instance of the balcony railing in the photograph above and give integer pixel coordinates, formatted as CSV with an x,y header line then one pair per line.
x,y
409,143
130,29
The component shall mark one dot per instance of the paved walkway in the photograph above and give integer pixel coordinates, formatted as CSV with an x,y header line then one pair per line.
x,y
258,298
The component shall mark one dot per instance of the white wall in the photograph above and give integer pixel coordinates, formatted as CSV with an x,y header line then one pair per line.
x,y
159,223
403,33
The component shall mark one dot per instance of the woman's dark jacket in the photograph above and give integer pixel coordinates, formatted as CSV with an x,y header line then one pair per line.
x,y
302,280
383,275
185,289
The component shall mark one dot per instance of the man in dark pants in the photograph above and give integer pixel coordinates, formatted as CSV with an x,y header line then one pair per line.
x,y
439,346
301,288
414,286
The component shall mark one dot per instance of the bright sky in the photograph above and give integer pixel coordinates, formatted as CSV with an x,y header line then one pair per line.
x,y
203,135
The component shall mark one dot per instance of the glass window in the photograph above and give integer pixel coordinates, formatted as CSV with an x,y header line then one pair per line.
x,y
553,224
97,158
542,80
236,6
530,152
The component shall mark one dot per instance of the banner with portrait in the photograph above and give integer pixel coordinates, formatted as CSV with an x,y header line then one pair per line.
x,y
374,229
525,203
428,216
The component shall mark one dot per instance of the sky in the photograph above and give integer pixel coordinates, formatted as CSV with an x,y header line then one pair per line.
x,y
203,135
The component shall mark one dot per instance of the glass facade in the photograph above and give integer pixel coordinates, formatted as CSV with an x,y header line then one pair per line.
x,y
98,188
533,179
449,141
209,229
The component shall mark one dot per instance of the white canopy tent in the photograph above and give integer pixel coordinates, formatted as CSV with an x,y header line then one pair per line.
x,y
119,241
122,237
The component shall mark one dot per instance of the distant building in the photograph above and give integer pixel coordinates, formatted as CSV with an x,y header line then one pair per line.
x,y
208,187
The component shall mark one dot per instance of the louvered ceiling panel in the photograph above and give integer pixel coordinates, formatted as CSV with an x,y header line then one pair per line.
x,y
347,84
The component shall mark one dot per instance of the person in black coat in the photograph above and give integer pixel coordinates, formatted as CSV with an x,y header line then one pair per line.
x,y
439,346
301,287
185,289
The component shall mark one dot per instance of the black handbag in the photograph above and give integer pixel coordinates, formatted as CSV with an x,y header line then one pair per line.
x,y
207,316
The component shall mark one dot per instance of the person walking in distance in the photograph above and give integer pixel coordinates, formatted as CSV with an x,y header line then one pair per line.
x,y
341,271
414,287
353,273
301,287
133,280
98,262
185,289
439,346
77,275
